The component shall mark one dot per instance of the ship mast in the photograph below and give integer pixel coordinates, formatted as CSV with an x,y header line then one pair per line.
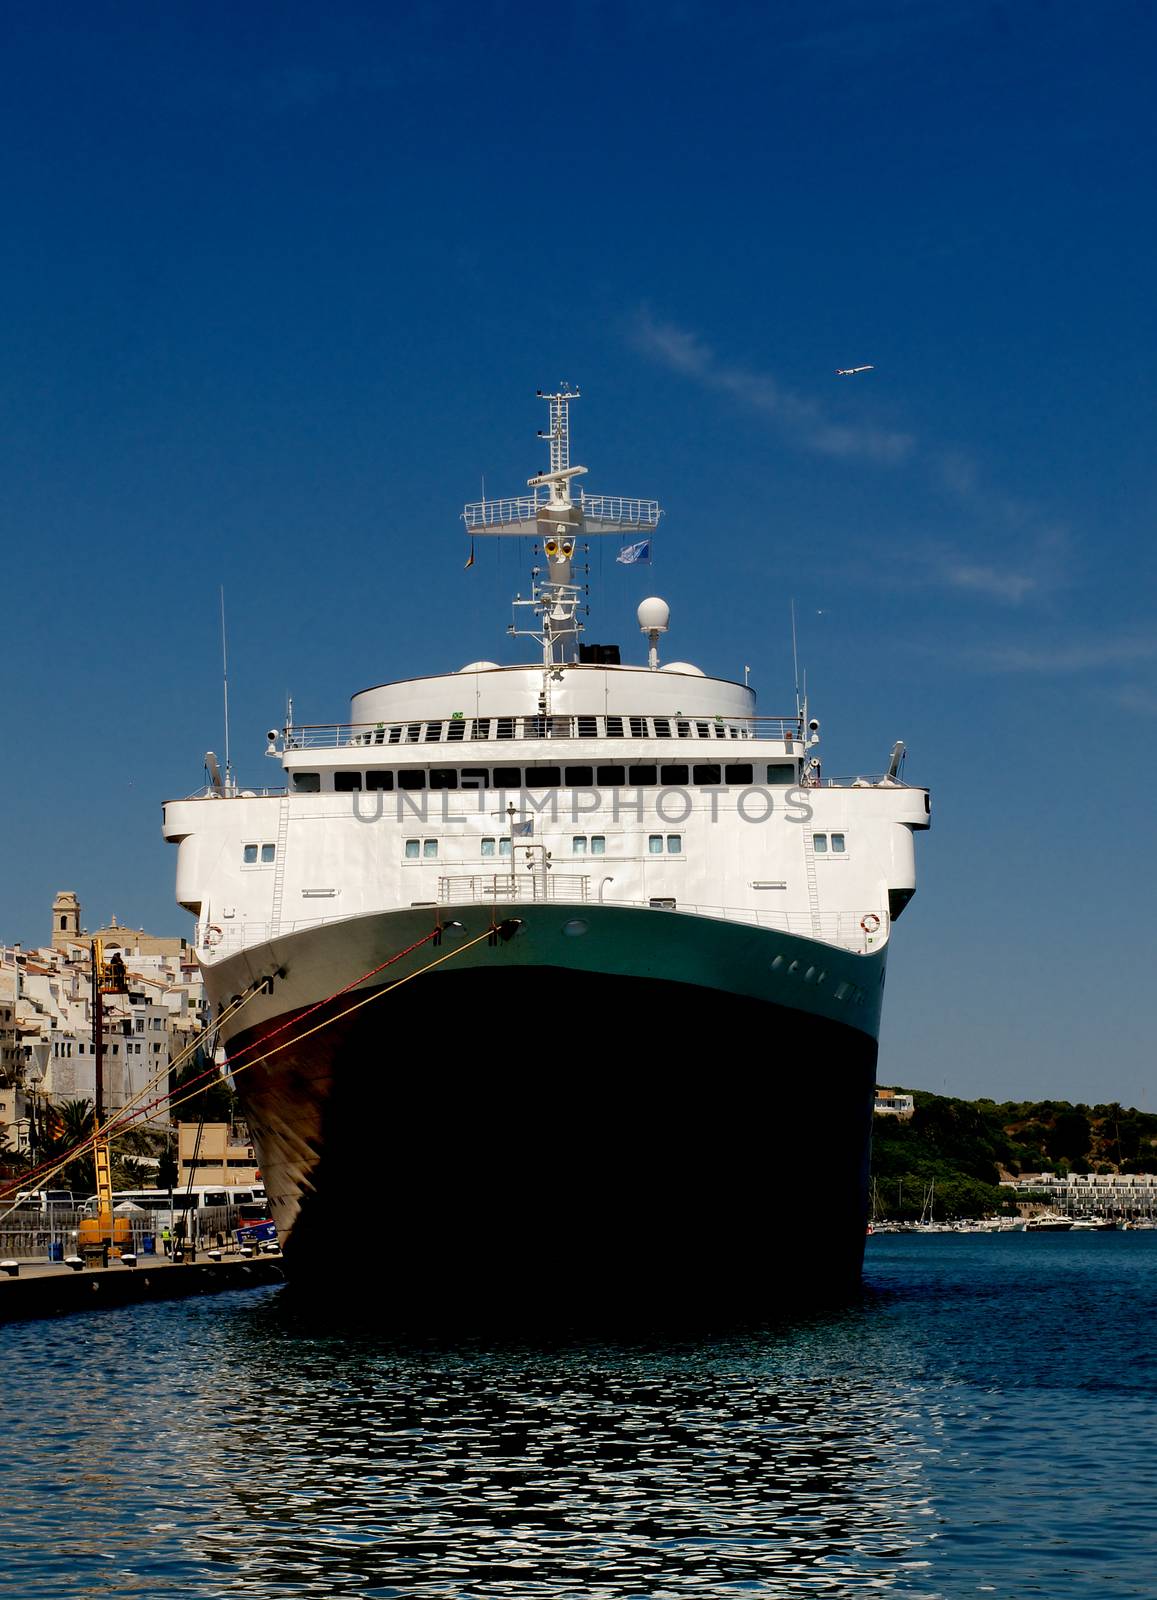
x,y
560,521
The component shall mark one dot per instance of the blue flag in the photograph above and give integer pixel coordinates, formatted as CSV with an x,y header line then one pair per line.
x,y
631,553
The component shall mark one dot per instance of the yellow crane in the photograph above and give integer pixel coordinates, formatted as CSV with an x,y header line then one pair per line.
x,y
97,1233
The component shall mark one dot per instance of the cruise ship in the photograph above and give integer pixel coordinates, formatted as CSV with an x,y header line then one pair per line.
x,y
553,989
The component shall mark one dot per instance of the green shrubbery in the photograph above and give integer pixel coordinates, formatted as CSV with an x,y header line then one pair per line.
x,y
964,1147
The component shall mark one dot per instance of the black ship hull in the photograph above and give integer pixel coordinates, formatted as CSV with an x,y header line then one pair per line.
x,y
640,1150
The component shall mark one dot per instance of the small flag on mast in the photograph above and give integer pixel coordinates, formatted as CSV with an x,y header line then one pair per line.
x,y
631,553
470,563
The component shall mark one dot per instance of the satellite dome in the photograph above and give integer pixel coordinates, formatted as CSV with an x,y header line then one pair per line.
x,y
654,615
480,666
684,666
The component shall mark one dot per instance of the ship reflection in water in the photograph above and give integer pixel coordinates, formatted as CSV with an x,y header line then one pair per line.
x,y
949,1435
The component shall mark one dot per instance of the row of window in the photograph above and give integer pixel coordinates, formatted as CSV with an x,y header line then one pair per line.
x,y
643,776
252,854
581,844
820,844
62,1048
597,727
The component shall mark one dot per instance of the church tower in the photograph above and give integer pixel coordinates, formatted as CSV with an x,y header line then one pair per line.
x,y
65,920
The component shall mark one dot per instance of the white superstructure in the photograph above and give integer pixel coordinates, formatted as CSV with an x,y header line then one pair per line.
x,y
568,781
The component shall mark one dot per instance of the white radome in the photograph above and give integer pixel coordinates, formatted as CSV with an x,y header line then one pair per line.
x,y
654,615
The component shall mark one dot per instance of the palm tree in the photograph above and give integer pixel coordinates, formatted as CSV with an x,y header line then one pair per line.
x,y
71,1124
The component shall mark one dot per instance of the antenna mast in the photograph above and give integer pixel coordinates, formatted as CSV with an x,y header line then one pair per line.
x,y
225,684
552,513
795,660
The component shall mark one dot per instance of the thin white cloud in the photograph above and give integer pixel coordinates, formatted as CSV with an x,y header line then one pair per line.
x,y
1135,697
995,583
1070,656
801,419
1042,549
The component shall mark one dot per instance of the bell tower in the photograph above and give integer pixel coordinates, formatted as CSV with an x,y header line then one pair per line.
x,y
65,920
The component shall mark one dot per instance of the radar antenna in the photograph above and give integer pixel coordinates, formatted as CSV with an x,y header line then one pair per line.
x,y
552,513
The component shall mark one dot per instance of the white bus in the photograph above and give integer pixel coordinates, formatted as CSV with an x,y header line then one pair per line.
x,y
200,1197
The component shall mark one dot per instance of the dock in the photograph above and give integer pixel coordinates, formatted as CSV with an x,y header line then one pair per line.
x,y
53,1288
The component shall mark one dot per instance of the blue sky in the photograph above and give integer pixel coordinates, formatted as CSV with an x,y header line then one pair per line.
x,y
279,283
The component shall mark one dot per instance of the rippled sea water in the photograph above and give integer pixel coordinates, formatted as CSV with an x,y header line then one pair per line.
x,y
983,1421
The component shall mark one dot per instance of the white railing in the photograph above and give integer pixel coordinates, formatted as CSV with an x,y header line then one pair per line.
x,y
482,514
473,888
843,929
619,513
473,730
603,513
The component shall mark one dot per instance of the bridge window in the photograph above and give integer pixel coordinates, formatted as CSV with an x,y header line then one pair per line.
x,y
543,777
411,778
781,772
675,775
443,778
610,777
643,777
475,777
707,773
379,780
307,782
579,777
347,782
740,773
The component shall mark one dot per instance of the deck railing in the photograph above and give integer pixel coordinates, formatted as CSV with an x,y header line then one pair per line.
x,y
532,884
472,730
844,929
609,513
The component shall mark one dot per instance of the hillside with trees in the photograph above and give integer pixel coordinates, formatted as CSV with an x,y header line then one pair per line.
x,y
968,1146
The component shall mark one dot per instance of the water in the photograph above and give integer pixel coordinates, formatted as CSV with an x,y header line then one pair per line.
x,y
981,1424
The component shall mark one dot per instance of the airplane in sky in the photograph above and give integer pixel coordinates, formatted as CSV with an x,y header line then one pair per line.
x,y
850,372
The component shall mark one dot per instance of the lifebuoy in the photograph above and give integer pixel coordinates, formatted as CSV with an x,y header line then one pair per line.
x,y
213,935
870,922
